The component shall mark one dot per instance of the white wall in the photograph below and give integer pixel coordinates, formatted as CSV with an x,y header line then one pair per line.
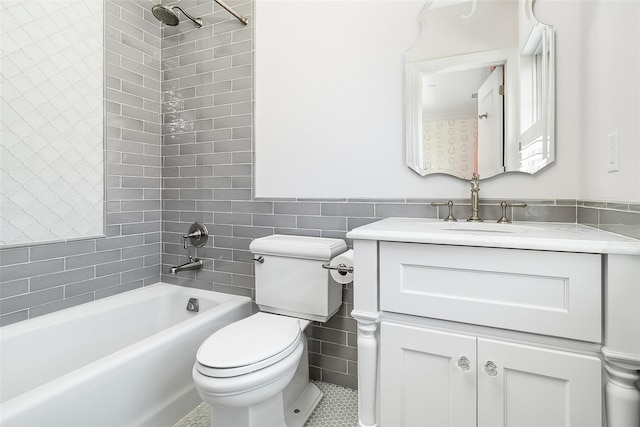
x,y
334,71
610,83
339,127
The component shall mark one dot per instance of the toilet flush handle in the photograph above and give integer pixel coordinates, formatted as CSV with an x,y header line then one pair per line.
x,y
259,259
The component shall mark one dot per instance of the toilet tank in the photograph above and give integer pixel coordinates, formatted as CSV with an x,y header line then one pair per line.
x,y
291,280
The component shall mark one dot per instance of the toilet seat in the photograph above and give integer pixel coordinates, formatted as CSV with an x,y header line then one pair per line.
x,y
248,345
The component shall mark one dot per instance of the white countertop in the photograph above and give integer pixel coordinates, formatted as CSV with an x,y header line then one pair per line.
x,y
549,236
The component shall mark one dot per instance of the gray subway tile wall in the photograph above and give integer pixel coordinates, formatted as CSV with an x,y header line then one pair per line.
x,y
620,218
179,149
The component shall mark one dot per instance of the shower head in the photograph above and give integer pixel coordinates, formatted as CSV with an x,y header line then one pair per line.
x,y
167,15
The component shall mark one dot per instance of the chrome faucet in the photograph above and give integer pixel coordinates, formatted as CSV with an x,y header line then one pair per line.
x,y
193,264
475,188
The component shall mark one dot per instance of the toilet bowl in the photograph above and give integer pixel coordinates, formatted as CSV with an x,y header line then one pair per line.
x,y
243,370
255,372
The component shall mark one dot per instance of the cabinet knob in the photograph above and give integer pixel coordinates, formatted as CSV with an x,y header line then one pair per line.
x,y
464,364
490,369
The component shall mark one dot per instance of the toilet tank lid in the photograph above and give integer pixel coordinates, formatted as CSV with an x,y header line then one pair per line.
x,y
318,248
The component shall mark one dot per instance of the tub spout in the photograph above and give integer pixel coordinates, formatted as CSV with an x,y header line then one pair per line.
x,y
193,264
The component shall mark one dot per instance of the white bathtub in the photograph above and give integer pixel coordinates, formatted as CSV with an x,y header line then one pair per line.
x,y
121,361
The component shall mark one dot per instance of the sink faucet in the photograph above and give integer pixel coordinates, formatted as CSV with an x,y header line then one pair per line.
x,y
475,188
193,264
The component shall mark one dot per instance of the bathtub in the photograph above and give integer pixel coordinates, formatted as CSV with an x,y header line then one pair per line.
x,y
121,361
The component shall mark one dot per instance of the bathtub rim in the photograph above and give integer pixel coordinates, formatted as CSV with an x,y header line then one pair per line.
x,y
102,304
22,402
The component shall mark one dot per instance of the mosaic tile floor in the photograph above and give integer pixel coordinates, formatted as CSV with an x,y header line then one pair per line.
x,y
338,408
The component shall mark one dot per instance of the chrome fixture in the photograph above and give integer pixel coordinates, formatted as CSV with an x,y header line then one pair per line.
x,y
475,188
166,15
239,17
193,264
341,268
504,219
259,259
449,217
198,235
193,305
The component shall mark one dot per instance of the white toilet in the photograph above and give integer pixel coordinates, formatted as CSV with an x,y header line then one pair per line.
x,y
255,372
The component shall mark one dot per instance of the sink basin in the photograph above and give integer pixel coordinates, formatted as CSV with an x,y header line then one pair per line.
x,y
477,227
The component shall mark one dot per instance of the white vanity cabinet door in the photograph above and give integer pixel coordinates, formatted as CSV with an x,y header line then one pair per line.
x,y
421,383
537,387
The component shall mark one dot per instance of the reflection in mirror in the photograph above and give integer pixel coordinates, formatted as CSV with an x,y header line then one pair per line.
x,y
462,111
487,109
450,120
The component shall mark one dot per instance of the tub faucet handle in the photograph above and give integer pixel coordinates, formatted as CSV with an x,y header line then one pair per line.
x,y
198,235
194,235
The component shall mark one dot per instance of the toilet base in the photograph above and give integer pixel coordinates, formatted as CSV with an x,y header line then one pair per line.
x,y
269,413
301,410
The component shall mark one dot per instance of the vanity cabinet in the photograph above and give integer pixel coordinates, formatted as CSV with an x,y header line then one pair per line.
x,y
458,327
433,377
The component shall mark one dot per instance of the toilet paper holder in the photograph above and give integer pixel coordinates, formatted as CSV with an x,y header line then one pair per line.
x,y
341,268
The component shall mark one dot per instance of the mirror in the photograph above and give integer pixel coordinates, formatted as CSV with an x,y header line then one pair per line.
x,y
480,90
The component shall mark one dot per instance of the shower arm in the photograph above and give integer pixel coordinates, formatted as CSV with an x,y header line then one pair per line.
x,y
197,21
239,17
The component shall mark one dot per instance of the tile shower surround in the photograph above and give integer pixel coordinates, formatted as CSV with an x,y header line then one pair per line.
x,y
179,149
52,98
38,279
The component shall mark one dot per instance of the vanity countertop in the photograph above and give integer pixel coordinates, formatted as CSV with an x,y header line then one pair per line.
x,y
548,236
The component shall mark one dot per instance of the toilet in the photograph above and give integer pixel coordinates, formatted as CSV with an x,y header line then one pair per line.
x,y
255,372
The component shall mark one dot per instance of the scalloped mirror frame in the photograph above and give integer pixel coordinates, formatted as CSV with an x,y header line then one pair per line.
x,y
457,35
